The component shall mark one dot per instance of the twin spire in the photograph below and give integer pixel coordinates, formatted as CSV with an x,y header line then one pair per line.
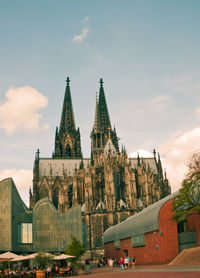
x,y
67,137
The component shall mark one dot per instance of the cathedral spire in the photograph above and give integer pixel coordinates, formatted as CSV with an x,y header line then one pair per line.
x,y
67,123
97,119
67,139
105,119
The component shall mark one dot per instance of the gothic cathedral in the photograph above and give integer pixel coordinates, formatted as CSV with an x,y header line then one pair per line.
x,y
109,186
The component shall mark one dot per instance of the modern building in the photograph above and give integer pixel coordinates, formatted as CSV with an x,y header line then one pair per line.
x,y
26,230
109,186
151,236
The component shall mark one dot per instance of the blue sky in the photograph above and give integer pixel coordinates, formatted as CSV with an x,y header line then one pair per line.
x,y
146,51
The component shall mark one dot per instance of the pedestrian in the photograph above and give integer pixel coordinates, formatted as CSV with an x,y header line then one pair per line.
x,y
121,262
110,263
133,262
129,261
126,263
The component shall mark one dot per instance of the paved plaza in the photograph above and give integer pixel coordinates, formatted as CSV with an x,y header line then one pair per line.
x,y
147,272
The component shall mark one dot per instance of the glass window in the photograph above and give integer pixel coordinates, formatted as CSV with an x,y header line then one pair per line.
x,y
25,233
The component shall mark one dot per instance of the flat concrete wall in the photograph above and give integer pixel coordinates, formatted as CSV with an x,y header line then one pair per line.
x,y
5,215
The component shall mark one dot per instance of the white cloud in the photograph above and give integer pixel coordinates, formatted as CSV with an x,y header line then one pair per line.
x,y
176,152
142,153
86,19
46,126
80,38
20,109
22,178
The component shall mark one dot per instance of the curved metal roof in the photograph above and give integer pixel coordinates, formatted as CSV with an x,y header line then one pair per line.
x,y
143,222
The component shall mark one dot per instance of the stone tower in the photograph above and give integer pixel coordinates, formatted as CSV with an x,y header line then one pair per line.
x,y
67,138
102,130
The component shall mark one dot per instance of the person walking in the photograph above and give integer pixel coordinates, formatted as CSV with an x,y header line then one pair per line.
x,y
133,262
110,263
126,263
121,262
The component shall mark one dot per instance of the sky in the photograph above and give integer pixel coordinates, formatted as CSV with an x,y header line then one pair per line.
x,y
146,51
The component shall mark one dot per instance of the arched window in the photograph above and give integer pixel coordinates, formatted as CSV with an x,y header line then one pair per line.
x,y
68,151
105,223
70,195
115,220
55,197
123,217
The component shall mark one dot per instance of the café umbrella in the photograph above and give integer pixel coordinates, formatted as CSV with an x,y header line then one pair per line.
x,y
7,256
63,257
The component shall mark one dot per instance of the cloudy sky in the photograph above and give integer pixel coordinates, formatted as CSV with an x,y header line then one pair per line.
x,y
147,52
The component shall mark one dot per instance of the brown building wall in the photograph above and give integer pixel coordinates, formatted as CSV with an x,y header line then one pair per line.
x,y
193,224
148,254
168,233
161,246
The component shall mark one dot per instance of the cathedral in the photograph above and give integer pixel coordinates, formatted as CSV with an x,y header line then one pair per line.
x,y
109,186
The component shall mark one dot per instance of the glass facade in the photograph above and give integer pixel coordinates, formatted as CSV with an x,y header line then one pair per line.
x,y
43,228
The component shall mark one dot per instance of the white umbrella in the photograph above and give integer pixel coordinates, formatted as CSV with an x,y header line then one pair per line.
x,y
63,257
32,256
8,255
18,258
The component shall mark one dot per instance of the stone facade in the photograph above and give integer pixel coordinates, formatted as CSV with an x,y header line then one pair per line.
x,y
109,186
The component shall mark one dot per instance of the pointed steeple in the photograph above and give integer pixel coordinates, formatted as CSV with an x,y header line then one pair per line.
x,y
105,119
138,158
97,119
67,123
102,130
67,139
159,166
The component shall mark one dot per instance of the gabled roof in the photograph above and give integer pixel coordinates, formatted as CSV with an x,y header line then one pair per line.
x,y
143,222
149,160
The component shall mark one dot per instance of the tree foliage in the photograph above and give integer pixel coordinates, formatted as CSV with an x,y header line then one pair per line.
x,y
75,248
43,259
188,200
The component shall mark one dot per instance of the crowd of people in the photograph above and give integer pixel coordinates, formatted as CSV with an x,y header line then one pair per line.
x,y
30,272
125,263
66,270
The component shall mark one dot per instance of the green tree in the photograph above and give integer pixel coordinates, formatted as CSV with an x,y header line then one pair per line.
x,y
43,259
75,248
188,199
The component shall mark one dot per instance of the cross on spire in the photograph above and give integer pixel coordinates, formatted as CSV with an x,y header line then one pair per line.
x,y
101,82
37,155
68,80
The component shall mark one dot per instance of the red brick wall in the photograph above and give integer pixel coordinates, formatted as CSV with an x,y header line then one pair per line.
x,y
193,224
158,249
169,236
